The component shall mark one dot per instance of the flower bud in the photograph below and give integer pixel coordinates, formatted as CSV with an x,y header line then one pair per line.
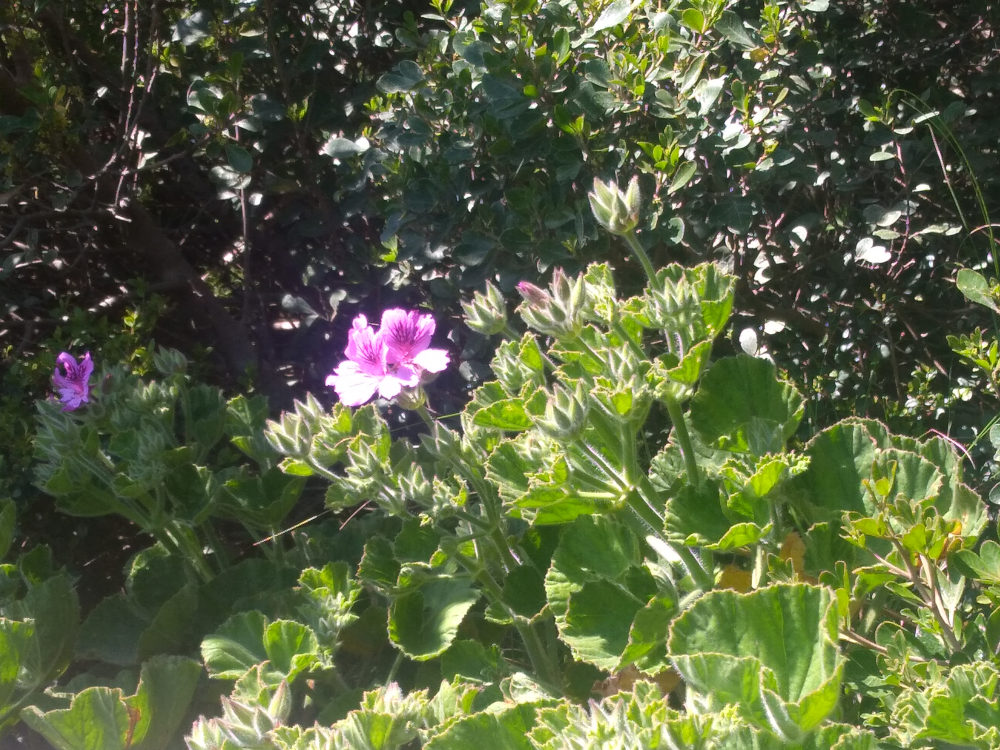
x,y
565,414
533,294
614,210
411,398
487,313
556,313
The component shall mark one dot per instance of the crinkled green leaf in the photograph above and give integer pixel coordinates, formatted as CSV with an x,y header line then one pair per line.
x,y
695,514
161,701
595,587
779,643
111,632
97,719
173,626
647,638
501,730
15,638
839,458
236,646
55,609
424,616
742,406
291,647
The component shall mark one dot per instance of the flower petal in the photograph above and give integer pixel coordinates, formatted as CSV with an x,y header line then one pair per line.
x,y
407,375
72,384
406,333
389,387
86,367
67,360
353,386
367,348
432,360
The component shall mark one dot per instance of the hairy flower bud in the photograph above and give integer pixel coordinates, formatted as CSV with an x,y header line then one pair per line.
x,y
565,414
616,211
534,295
487,312
558,312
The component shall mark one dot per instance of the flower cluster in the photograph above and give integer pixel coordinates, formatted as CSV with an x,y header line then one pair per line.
x,y
387,360
73,383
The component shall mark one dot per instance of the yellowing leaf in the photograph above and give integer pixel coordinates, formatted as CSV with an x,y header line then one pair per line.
x,y
793,549
734,578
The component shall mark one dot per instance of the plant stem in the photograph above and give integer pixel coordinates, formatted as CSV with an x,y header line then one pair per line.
x,y
543,665
684,439
640,253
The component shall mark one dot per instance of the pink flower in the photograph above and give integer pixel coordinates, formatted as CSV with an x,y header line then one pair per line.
x,y
387,360
73,384
408,334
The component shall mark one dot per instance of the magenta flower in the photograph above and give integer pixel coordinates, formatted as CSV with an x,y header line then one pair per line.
x,y
387,360
73,384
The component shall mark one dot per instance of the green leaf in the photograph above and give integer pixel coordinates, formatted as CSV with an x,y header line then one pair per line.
x,y
707,92
976,289
695,514
291,647
839,458
111,632
340,148
97,719
472,661
524,591
595,587
54,606
739,535
379,567
425,614
504,730
985,564
647,638
962,709
239,158
403,77
682,176
15,639
547,504
783,638
492,406
731,26
173,626
741,406
694,19
101,718
236,646
613,15
161,701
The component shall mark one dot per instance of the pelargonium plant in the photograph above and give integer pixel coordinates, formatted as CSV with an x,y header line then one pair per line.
x,y
73,383
386,361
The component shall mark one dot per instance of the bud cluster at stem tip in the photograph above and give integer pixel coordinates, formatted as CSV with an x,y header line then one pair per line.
x,y
487,312
558,312
616,211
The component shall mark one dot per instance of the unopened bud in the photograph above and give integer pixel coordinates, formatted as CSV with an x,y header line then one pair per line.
x,y
411,398
534,295
487,312
616,211
565,414
555,313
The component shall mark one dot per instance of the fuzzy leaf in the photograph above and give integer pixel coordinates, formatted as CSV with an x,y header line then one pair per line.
x,y
741,406
779,643
424,616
